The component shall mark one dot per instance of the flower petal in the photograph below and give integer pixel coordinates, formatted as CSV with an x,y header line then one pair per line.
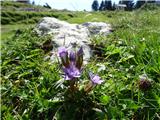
x,y
71,72
72,56
62,51
95,78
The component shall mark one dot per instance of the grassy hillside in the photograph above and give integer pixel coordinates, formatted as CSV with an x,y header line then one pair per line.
x,y
128,60
15,15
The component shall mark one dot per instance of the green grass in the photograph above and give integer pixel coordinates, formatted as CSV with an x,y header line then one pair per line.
x,y
8,5
32,87
8,31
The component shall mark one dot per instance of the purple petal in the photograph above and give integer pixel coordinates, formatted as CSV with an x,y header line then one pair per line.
x,y
79,60
95,78
72,56
62,51
71,72
80,51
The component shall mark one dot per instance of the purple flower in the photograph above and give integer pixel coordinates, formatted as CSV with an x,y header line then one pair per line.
x,y
71,62
80,51
71,72
95,79
63,53
72,57
79,60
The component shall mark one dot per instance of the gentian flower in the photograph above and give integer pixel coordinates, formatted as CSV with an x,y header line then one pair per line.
x,y
71,72
72,57
62,51
95,79
63,54
71,63
79,60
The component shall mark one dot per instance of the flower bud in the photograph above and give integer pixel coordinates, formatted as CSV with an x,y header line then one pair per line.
x,y
63,53
72,57
79,60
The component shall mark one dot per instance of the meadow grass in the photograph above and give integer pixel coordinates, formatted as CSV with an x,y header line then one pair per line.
x,y
9,30
32,85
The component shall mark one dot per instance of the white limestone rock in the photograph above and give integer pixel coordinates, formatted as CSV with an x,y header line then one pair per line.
x,y
98,28
71,35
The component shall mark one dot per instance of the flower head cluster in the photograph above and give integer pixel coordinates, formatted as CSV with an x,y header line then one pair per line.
x,y
72,62
72,67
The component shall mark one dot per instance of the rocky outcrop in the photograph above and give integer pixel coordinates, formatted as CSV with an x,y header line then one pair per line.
x,y
71,35
98,28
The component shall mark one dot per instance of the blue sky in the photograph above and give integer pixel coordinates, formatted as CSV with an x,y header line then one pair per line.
x,y
69,4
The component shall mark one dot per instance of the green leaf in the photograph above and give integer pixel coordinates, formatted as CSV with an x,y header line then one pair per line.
x,y
123,59
104,99
158,99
